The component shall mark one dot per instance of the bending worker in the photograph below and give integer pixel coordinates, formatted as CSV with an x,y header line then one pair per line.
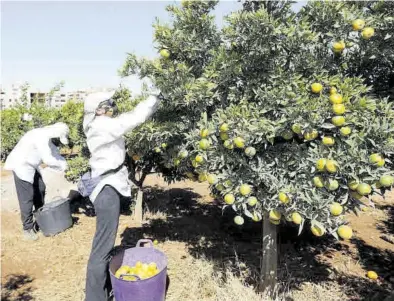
x,y
108,179
34,148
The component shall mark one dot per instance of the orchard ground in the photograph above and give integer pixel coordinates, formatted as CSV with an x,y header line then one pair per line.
x,y
209,257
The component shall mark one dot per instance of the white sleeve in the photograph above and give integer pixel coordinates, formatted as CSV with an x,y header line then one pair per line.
x,y
118,126
51,156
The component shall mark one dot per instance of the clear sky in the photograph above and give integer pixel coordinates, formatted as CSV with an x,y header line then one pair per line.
x,y
80,42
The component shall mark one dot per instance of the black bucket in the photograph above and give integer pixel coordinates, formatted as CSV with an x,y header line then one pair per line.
x,y
54,217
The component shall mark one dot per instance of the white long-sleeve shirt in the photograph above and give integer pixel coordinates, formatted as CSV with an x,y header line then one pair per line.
x,y
107,145
35,148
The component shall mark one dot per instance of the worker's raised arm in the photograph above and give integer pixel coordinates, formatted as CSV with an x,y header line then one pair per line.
x,y
51,156
118,126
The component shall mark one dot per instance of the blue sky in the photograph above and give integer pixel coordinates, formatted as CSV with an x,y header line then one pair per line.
x,y
80,42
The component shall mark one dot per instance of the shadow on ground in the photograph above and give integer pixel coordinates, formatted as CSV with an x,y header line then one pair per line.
x,y
388,225
17,288
212,234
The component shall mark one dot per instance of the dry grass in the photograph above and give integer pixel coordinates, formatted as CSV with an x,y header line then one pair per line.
x,y
209,258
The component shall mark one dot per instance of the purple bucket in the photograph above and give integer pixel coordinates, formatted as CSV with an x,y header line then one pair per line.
x,y
151,289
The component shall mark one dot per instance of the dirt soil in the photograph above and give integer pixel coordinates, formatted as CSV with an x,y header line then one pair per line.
x,y
209,257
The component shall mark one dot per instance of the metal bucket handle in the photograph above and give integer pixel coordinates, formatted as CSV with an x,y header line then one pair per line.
x,y
141,241
136,276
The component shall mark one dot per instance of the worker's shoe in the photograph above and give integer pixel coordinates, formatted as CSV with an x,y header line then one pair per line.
x,y
30,235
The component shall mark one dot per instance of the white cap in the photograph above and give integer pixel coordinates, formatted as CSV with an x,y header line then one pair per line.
x,y
90,105
92,100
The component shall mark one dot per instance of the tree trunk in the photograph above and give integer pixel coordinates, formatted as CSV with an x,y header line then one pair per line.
x,y
138,207
269,259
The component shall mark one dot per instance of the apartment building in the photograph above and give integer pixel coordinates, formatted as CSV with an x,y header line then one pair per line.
x,y
13,95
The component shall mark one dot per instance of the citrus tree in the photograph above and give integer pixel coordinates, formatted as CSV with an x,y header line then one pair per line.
x,y
285,115
13,127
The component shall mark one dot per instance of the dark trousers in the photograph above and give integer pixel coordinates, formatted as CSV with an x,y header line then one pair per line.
x,y
107,207
29,195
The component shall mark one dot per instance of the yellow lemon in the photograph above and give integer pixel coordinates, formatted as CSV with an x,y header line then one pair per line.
x,y
338,120
228,144
239,142
223,127
345,232
336,98
380,163
386,180
252,201
296,218
321,164
328,141
229,199
367,33
332,185
199,159
318,181
338,47
256,218
316,87
353,185
338,109
123,270
358,24
212,179
310,135
152,266
250,151
333,90
138,264
202,177
345,131
317,231
331,166
245,189
239,220
336,209
275,222
204,133
194,163
204,144
165,53
296,128
372,275
275,215
145,267
364,189
356,195
374,158
284,198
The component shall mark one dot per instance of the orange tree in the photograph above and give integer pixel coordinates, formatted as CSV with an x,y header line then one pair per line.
x,y
285,115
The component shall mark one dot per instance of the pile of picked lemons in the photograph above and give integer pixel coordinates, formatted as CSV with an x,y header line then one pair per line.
x,y
142,270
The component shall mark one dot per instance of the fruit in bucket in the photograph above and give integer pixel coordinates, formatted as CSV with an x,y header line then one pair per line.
x,y
142,270
124,269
